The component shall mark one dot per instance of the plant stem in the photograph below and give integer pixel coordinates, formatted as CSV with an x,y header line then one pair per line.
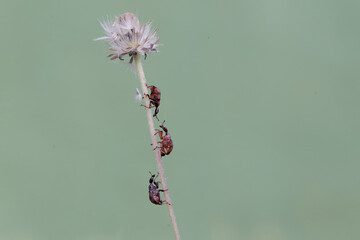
x,y
154,142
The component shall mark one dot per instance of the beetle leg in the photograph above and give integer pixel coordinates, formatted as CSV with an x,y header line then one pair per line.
x,y
157,148
160,133
150,107
165,202
156,176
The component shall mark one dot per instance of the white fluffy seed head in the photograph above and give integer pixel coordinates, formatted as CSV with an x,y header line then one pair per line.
x,y
127,36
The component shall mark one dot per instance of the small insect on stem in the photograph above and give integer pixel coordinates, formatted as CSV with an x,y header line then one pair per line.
x,y
154,97
154,191
166,145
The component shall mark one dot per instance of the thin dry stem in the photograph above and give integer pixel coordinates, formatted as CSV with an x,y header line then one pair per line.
x,y
154,142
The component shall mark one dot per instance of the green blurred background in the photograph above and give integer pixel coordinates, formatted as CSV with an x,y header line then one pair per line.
x,y
261,99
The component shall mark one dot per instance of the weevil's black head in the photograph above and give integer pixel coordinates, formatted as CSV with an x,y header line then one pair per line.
x,y
163,127
151,180
156,111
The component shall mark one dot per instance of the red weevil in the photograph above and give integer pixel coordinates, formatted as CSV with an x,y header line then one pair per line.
x,y
166,145
154,191
155,96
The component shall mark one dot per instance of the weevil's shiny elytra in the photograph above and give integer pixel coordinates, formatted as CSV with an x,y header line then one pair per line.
x,y
154,97
154,191
166,145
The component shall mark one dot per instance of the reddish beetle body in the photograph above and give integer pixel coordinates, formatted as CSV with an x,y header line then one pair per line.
x,y
154,191
155,96
166,145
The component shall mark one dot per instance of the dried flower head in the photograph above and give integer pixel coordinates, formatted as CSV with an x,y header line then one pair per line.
x,y
126,36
